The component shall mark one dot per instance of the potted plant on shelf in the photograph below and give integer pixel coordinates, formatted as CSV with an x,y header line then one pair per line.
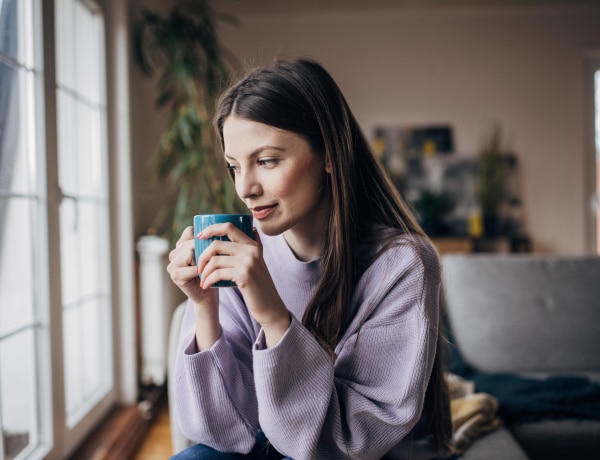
x,y
183,47
492,170
431,208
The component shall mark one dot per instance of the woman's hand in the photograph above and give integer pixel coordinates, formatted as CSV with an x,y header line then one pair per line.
x,y
182,267
184,272
241,260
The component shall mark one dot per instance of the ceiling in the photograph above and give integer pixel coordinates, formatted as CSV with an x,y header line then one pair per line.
x,y
297,6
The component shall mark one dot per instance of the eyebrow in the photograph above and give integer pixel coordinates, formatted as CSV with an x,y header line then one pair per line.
x,y
258,151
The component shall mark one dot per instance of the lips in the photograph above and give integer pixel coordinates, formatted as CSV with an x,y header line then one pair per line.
x,y
262,212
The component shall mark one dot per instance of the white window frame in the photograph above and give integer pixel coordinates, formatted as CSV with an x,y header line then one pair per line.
x,y
122,248
592,188
56,440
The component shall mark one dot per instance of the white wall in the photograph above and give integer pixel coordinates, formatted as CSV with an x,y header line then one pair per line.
x,y
521,67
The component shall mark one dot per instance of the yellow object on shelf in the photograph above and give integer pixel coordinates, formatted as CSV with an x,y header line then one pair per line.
x,y
475,227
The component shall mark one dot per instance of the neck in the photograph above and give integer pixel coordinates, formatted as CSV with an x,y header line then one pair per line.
x,y
305,248
307,241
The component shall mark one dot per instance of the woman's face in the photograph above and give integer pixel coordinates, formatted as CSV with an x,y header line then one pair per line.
x,y
279,178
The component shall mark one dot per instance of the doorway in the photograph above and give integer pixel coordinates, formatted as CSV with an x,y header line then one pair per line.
x,y
592,149
596,200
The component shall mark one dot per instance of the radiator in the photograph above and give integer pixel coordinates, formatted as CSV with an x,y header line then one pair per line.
x,y
155,309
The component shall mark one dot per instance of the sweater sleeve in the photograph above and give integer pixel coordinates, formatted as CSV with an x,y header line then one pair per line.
x,y
215,400
372,396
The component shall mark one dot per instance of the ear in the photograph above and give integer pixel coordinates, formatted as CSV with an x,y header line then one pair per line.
x,y
328,166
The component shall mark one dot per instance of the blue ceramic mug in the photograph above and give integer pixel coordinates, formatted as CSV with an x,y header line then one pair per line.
x,y
201,221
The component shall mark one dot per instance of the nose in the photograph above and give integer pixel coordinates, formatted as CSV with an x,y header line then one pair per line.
x,y
247,185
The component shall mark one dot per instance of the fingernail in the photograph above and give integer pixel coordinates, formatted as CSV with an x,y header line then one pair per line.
x,y
199,235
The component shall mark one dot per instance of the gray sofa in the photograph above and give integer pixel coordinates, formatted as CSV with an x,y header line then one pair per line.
x,y
530,314
178,440
533,316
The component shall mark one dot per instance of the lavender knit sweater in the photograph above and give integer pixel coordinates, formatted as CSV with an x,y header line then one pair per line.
x,y
308,406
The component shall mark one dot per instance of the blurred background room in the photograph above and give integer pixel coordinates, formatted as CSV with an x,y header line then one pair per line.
x,y
486,114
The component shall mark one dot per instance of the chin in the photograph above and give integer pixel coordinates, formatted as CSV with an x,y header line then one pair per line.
x,y
271,229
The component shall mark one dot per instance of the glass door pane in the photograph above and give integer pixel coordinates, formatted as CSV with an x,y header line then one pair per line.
x,y
18,393
84,211
24,339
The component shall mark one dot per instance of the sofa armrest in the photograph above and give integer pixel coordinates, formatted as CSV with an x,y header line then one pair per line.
x,y
178,440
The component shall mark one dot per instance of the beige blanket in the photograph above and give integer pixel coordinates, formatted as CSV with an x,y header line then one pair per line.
x,y
473,414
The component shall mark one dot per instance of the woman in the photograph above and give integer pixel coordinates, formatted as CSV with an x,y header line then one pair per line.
x,y
328,346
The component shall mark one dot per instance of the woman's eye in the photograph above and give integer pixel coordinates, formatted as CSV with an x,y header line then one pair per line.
x,y
267,161
232,168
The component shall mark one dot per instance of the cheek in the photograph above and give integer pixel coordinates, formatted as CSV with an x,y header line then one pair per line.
x,y
310,175
313,180
283,185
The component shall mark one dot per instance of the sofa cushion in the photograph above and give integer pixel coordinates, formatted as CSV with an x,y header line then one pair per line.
x,y
558,439
593,376
497,445
524,312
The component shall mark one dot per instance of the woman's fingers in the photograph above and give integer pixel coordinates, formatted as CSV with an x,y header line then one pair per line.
x,y
182,266
225,229
225,261
186,235
238,242
185,277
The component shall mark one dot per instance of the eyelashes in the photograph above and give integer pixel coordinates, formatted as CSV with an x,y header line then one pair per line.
x,y
267,162
263,162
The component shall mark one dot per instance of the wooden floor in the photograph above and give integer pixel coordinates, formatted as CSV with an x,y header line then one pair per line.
x,y
156,445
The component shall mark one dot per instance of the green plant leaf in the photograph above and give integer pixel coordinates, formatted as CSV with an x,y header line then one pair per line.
x,y
183,49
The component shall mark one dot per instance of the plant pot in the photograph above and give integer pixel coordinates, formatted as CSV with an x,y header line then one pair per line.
x,y
493,225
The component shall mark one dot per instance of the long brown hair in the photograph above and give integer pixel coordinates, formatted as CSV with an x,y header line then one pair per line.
x,y
301,97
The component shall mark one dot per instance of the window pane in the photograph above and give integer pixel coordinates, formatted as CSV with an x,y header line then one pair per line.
x,y
86,304
86,374
16,265
16,31
9,116
69,250
92,253
9,28
65,43
86,301
67,141
18,393
87,70
82,166
80,70
91,170
93,342
23,238
73,359
84,213
84,250
16,163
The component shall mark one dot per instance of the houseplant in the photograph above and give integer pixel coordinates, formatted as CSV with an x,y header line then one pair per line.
x,y
431,208
491,174
183,48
